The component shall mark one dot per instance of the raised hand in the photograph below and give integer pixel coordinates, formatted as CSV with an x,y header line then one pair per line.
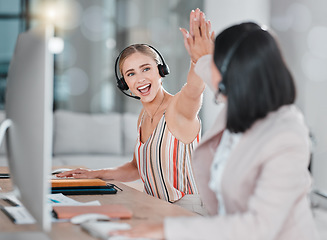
x,y
200,40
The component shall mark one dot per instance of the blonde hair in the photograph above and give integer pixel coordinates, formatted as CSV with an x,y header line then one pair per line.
x,y
141,48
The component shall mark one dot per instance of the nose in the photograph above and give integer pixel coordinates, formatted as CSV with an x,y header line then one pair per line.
x,y
141,79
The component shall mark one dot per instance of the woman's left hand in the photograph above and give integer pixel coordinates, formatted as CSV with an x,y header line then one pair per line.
x,y
200,40
143,230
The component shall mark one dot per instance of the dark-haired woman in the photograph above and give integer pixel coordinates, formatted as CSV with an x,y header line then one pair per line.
x,y
251,167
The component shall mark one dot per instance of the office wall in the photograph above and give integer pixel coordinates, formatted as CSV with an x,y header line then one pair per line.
x,y
301,27
223,14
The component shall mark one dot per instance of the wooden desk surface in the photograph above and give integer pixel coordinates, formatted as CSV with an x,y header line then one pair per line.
x,y
144,208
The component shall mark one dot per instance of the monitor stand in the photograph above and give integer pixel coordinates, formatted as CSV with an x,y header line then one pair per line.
x,y
4,125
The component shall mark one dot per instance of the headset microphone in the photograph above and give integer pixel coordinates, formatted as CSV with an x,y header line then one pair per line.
x,y
136,97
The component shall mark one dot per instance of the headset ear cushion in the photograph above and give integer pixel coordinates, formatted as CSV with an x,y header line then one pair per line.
x,y
163,70
122,85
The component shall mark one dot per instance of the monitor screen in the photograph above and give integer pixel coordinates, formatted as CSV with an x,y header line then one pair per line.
x,y
28,105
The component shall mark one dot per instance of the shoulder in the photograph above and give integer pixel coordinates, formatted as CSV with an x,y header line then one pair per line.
x,y
282,131
287,119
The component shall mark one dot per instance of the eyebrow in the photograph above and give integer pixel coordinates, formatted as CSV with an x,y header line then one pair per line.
x,y
141,66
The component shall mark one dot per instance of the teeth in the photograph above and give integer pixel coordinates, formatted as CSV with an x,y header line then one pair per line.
x,y
145,86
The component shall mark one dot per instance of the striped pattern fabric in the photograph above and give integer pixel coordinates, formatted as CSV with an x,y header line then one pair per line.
x,y
164,164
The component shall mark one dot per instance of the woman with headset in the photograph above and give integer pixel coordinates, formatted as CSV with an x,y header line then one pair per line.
x,y
252,166
168,126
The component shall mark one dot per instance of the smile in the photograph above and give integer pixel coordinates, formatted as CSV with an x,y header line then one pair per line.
x,y
144,89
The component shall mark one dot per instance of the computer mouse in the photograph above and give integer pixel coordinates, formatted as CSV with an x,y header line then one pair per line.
x,y
89,217
60,170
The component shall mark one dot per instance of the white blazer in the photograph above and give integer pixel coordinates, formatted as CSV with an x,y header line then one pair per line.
x,y
265,183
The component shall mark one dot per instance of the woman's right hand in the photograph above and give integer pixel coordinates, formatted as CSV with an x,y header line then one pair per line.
x,y
80,173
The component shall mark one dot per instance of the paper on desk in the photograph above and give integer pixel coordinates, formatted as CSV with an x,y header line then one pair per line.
x,y
102,230
59,199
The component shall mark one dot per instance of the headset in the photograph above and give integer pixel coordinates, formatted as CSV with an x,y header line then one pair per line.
x,y
121,83
224,66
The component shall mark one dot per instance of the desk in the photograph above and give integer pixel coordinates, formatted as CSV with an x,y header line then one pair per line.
x,y
144,207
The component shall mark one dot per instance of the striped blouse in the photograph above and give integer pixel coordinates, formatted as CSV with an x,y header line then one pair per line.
x,y
164,164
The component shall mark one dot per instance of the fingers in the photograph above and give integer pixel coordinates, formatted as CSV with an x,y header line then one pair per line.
x,y
185,33
199,40
72,173
192,16
212,36
80,175
197,13
203,25
64,174
186,36
208,28
196,28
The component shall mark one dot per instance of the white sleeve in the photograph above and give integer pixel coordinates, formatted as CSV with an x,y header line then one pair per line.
x,y
203,70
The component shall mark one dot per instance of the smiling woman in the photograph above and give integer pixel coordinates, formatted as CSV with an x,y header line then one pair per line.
x,y
169,128
138,63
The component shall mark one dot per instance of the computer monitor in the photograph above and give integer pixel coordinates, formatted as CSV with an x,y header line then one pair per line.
x,y
28,108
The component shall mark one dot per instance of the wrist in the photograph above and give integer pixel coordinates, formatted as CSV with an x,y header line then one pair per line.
x,y
193,61
99,173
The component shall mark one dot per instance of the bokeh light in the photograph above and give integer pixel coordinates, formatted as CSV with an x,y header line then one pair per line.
x,y
71,14
77,81
314,67
297,17
96,24
111,43
56,45
63,14
317,39
301,17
